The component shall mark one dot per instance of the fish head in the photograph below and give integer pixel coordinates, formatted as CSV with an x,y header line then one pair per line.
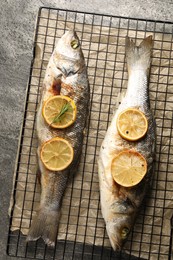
x,y
68,56
69,45
118,230
120,214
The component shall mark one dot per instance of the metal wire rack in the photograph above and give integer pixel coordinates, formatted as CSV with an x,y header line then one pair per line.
x,y
82,232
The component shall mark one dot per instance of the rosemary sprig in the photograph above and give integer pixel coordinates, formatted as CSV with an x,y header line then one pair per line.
x,y
63,110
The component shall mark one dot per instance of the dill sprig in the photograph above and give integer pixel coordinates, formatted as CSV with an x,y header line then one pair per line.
x,y
63,110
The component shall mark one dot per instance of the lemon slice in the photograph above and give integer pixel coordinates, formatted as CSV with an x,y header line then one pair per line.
x,y
59,111
56,154
132,124
128,168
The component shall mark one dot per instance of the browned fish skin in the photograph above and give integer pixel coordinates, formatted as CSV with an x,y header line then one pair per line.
x,y
120,205
66,74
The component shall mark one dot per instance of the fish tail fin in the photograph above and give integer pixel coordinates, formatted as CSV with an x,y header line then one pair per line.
x,y
44,225
138,56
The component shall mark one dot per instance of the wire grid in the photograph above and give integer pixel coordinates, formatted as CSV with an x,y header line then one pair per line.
x,y
82,232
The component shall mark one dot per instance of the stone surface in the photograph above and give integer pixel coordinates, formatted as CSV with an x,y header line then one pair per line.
x,y
17,23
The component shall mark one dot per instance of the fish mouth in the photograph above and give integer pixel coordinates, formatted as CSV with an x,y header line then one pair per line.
x,y
70,34
116,245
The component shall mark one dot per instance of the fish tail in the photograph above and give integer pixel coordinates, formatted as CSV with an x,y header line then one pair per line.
x,y
45,225
138,57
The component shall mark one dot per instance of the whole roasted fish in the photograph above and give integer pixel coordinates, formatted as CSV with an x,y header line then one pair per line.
x,y
65,75
120,204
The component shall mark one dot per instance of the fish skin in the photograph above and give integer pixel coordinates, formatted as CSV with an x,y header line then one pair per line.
x,y
67,67
120,205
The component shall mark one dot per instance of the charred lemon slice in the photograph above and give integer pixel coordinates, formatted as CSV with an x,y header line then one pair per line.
x,y
132,124
59,111
128,168
57,154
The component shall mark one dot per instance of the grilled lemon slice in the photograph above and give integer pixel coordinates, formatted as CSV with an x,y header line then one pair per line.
x,y
128,168
132,124
57,154
59,111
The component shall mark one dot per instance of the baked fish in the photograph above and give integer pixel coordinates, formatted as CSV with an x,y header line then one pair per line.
x,y
120,204
66,75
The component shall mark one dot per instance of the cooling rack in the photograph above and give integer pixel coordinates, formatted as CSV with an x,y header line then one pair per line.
x,y
82,232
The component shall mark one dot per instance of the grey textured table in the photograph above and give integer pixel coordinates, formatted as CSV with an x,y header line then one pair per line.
x,y
17,31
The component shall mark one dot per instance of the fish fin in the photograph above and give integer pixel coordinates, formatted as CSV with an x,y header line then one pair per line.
x,y
45,225
138,56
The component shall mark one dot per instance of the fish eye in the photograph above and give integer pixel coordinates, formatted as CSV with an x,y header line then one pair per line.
x,y
124,232
74,44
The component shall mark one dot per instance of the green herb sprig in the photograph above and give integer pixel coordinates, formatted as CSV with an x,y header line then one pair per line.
x,y
63,110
